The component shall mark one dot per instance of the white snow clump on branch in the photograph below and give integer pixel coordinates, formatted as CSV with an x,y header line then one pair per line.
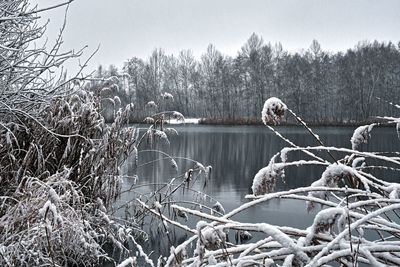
x,y
166,96
361,135
151,104
330,178
265,179
273,110
178,116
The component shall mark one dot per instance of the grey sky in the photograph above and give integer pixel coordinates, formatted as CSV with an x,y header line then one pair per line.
x,y
127,28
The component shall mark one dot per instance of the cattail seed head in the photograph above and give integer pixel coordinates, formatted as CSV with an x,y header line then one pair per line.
x,y
273,110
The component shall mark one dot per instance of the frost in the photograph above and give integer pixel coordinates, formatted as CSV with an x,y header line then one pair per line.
x,y
48,206
67,108
54,197
273,110
67,148
361,135
8,139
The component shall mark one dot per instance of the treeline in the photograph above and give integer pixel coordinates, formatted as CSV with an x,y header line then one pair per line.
x,y
321,87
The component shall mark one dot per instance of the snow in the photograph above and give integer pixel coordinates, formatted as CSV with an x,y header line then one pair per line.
x,y
273,110
398,129
356,161
162,135
245,235
212,238
8,139
173,164
157,205
218,207
265,179
330,178
51,207
394,190
178,116
185,121
361,135
200,167
117,100
151,104
323,221
149,120
166,96
212,260
171,131
131,261
53,196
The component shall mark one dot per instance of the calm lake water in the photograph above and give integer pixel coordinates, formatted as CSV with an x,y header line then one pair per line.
x,y
236,153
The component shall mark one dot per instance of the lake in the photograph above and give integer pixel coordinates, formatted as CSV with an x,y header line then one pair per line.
x,y
236,153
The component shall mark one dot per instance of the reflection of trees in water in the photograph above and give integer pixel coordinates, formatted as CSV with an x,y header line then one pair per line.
x,y
237,153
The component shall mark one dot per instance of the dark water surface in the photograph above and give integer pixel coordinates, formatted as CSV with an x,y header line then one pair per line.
x,y
236,153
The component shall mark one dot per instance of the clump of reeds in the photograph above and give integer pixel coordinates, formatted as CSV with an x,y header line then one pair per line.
x,y
357,222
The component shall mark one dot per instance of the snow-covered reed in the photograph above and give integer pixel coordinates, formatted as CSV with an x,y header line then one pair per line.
x,y
355,205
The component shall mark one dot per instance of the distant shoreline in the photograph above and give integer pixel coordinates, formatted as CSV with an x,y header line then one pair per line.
x,y
254,122
235,122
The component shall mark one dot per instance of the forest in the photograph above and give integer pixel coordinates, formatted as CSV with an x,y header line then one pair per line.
x,y
333,88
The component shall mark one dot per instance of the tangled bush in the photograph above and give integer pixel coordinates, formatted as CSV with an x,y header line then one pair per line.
x,y
58,178
59,161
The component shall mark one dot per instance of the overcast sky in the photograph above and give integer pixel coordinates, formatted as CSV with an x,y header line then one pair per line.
x,y
127,28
